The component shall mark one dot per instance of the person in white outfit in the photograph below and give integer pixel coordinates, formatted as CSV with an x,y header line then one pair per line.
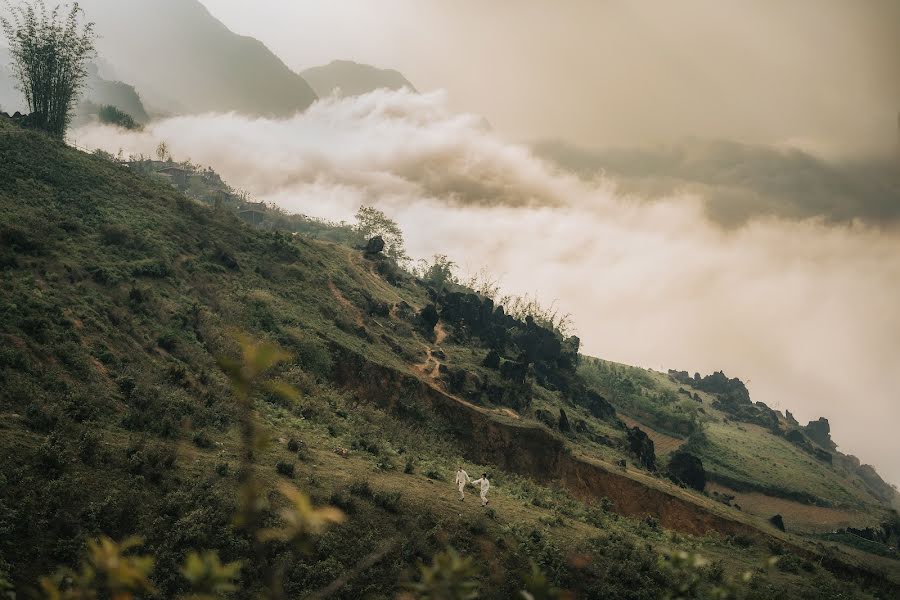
x,y
485,486
462,478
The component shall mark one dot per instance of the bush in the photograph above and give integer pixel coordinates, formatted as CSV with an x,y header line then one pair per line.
x,y
343,502
201,440
293,445
789,563
285,468
168,341
389,501
223,469
436,475
88,444
361,488
112,115
741,540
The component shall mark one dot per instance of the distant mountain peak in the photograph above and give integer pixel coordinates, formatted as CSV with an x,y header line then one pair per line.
x,y
353,78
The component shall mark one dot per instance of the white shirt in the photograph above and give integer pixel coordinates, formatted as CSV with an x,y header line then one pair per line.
x,y
462,477
485,484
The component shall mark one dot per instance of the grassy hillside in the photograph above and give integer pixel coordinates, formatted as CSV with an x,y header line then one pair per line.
x,y
120,295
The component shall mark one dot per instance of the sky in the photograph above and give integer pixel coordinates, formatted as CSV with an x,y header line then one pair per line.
x,y
823,74
753,225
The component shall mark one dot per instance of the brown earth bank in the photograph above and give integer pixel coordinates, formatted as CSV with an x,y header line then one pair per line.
x,y
492,438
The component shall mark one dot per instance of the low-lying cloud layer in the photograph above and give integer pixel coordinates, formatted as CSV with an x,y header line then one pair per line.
x,y
805,311
739,182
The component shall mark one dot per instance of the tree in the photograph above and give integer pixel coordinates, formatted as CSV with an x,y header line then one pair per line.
x,y
49,59
440,273
111,115
371,222
162,151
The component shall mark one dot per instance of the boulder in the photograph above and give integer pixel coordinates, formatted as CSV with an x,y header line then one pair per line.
x,y
492,360
428,318
819,431
687,469
777,522
564,422
514,370
790,418
599,406
545,417
374,246
640,444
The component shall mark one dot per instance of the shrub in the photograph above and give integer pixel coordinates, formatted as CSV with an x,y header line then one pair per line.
x,y
343,501
118,235
742,540
361,488
389,501
88,444
201,440
436,475
789,563
38,419
112,115
222,469
168,341
285,468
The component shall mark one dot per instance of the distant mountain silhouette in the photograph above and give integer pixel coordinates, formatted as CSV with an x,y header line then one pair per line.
x,y
182,59
353,79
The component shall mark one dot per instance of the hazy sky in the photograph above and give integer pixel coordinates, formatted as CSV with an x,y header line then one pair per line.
x,y
820,73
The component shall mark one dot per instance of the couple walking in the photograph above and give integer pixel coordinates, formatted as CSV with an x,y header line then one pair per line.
x,y
462,478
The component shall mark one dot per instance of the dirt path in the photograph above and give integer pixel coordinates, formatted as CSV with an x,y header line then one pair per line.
x,y
357,315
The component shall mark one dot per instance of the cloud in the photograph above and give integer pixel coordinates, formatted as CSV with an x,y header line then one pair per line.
x,y
739,182
803,309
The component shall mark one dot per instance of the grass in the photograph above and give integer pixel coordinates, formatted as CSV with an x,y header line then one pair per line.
x,y
118,296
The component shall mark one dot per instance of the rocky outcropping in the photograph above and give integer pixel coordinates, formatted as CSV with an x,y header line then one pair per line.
x,y
640,444
687,469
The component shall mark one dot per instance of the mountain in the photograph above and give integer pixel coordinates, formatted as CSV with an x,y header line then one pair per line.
x,y
97,92
135,400
182,59
739,182
353,79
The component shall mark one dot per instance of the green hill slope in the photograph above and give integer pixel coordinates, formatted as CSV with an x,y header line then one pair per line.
x,y
120,294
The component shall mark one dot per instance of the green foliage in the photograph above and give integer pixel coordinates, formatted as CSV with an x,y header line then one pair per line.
x,y
371,222
693,577
448,577
50,54
111,115
440,273
539,587
208,577
635,394
107,570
